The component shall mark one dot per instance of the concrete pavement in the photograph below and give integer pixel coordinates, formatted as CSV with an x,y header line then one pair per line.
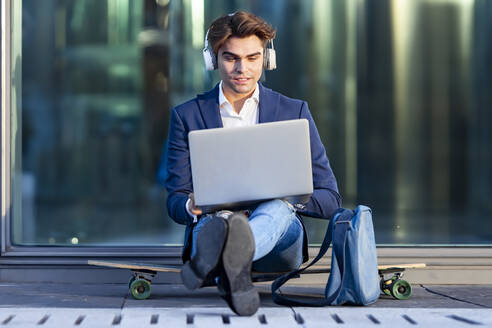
x,y
171,305
265,317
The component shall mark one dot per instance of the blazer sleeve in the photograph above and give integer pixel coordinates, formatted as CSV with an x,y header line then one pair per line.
x,y
325,199
178,178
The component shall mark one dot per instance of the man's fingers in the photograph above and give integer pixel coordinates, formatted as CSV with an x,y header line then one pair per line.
x,y
195,210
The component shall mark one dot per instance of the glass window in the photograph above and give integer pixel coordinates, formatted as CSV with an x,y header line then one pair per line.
x,y
399,91
91,123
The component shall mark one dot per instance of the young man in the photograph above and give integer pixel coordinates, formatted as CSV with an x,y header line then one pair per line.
x,y
223,247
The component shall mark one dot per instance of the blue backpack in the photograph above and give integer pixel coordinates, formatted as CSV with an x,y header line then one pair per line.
x,y
354,268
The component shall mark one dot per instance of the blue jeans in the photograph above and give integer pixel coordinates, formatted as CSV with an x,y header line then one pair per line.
x,y
278,236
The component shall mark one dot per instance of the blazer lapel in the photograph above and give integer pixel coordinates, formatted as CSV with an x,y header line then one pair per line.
x,y
268,106
209,107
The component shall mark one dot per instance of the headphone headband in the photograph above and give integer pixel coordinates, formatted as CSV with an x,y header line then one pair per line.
x,y
206,40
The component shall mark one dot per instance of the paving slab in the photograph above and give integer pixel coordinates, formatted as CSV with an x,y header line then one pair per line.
x,y
479,295
473,296
62,295
394,317
177,296
265,317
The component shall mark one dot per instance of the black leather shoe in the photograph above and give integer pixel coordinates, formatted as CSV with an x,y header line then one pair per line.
x,y
235,279
204,265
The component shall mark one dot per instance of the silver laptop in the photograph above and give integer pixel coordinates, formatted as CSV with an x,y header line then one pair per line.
x,y
234,168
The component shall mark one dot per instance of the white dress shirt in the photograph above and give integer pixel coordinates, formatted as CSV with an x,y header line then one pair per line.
x,y
248,115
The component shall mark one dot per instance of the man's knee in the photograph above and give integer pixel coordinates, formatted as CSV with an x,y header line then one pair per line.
x,y
287,259
287,254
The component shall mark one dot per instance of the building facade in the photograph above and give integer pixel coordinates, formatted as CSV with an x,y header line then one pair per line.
x,y
400,91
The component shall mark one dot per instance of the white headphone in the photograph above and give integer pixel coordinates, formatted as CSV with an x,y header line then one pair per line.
x,y
208,56
269,57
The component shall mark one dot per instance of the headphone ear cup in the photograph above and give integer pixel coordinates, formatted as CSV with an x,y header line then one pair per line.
x,y
209,59
270,59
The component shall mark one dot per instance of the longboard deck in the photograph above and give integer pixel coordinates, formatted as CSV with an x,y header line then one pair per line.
x,y
163,268
134,266
402,266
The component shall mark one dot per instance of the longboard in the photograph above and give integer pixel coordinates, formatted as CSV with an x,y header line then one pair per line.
x,y
143,273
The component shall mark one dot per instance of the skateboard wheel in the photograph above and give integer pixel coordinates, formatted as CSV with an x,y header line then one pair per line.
x,y
401,290
140,289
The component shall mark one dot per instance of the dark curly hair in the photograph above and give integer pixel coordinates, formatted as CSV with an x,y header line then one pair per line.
x,y
240,24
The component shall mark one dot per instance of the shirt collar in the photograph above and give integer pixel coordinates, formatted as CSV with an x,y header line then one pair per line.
x,y
222,99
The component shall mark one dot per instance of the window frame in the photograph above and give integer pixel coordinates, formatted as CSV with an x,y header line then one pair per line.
x,y
461,257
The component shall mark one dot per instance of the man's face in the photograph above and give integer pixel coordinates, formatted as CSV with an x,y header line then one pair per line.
x,y
240,63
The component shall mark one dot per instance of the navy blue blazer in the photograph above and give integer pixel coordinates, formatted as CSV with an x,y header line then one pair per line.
x,y
203,112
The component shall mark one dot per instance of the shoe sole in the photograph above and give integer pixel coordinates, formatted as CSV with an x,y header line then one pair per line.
x,y
237,259
206,259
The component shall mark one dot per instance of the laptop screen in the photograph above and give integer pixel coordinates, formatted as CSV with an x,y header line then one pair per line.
x,y
238,166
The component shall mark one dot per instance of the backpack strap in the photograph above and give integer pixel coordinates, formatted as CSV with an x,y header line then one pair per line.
x,y
337,231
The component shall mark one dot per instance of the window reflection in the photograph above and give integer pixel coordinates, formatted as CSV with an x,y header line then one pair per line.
x,y
95,106
399,91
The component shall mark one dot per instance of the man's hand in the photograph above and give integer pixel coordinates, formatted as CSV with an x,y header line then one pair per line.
x,y
193,209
